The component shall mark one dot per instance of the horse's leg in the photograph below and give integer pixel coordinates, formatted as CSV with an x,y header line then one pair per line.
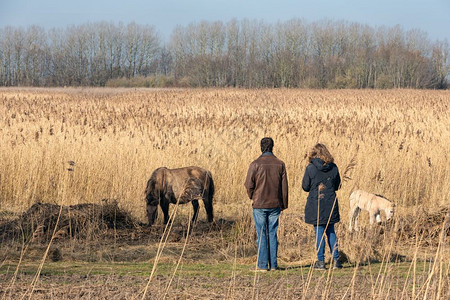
x,y
378,218
354,210
356,217
195,206
351,217
165,208
152,213
372,217
209,208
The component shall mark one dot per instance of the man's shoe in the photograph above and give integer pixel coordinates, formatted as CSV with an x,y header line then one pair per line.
x,y
319,265
337,264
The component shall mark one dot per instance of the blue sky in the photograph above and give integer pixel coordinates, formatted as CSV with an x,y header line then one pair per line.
x,y
431,16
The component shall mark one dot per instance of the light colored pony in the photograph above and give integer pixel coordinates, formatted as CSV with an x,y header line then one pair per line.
x,y
374,204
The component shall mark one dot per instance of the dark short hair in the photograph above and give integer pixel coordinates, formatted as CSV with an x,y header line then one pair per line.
x,y
266,144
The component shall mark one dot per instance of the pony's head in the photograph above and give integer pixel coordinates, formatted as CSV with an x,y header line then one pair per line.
x,y
152,197
152,205
389,210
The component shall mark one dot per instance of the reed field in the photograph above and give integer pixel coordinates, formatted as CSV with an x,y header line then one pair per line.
x,y
76,147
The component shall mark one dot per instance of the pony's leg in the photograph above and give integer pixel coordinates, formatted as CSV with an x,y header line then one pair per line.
x,y
350,219
165,209
378,218
152,213
356,217
195,206
353,215
372,218
353,212
209,208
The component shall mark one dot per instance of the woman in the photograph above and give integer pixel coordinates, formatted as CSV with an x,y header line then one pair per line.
x,y
322,180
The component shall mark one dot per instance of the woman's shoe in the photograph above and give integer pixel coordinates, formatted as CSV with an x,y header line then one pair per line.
x,y
319,265
337,264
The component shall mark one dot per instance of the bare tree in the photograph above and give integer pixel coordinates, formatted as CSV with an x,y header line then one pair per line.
x,y
246,53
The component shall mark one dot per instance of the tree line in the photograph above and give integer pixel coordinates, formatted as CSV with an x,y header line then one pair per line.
x,y
245,53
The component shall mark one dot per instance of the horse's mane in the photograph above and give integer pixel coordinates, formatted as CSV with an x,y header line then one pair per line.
x,y
153,176
381,196
152,181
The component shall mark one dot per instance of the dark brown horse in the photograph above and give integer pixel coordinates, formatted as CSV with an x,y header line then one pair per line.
x,y
181,186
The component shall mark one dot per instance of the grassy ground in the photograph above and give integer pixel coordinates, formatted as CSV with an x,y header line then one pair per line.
x,y
208,265
215,281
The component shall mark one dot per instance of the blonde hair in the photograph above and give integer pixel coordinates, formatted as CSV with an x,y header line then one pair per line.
x,y
320,151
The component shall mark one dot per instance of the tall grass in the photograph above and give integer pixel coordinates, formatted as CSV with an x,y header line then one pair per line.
x,y
94,144
398,139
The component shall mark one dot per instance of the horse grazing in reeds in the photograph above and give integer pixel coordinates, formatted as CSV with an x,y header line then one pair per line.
x,y
374,204
179,186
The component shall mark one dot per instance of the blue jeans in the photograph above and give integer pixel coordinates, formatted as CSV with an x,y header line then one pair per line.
x,y
320,241
266,223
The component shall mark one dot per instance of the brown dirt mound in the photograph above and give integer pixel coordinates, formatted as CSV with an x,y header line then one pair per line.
x,y
83,221
427,226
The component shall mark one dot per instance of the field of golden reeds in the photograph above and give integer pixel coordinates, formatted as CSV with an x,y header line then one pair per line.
x,y
74,146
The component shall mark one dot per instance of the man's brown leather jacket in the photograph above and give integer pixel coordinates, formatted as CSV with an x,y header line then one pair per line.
x,y
266,182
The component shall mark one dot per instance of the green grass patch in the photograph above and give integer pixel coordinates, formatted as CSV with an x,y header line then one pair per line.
x,y
220,270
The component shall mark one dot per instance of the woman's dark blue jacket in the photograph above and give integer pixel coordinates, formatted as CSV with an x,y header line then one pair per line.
x,y
318,172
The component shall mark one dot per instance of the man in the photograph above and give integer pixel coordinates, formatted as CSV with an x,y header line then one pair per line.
x,y
267,187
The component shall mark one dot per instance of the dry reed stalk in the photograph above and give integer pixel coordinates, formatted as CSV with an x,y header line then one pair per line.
x,y
437,258
413,268
14,277
256,275
135,122
308,281
35,280
41,265
231,287
382,276
109,132
181,256
165,236
352,283
161,246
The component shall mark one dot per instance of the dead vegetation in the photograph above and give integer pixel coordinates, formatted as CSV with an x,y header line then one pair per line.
x,y
80,221
63,149
117,237
220,241
430,227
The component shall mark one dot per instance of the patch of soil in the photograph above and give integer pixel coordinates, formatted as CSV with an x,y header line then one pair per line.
x,y
105,232
81,221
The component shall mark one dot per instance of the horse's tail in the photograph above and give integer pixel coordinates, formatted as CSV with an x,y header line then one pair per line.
x,y
211,184
352,198
208,195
